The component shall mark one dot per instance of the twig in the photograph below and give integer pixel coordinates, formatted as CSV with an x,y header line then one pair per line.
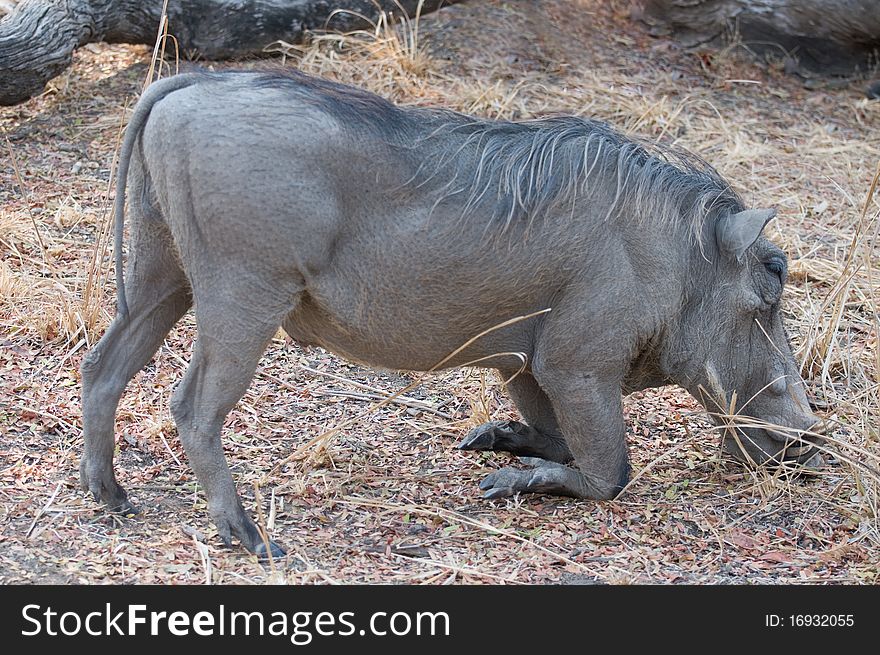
x,y
43,510
448,515
27,204
69,426
406,402
261,527
375,393
165,441
160,42
338,378
464,570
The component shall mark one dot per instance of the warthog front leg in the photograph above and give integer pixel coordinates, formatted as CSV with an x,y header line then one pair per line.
x,y
540,438
516,438
542,477
590,414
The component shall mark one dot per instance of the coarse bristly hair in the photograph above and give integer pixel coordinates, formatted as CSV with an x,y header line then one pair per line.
x,y
528,169
524,170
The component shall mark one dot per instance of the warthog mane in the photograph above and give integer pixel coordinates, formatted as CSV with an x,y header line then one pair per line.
x,y
523,170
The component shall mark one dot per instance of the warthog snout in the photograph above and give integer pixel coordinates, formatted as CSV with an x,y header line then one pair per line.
x,y
775,426
771,443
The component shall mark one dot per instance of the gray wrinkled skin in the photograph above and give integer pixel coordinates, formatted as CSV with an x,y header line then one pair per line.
x,y
392,236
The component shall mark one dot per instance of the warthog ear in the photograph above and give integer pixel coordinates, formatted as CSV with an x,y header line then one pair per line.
x,y
734,233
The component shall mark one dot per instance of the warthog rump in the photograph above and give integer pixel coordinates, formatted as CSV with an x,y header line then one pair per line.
x,y
394,235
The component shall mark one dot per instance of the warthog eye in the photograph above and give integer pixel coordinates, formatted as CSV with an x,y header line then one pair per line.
x,y
776,267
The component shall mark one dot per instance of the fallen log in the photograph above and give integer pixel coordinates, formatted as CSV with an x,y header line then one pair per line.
x,y
38,37
833,37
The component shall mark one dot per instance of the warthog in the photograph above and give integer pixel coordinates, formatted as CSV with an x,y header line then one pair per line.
x,y
394,235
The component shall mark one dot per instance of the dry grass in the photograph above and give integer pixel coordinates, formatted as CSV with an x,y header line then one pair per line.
x,y
388,499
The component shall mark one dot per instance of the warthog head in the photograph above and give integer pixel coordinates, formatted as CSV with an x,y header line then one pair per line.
x,y
746,376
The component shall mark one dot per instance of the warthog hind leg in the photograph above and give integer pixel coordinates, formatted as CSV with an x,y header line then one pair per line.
x,y
235,323
158,295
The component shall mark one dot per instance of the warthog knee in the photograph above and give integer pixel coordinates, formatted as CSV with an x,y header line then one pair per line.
x,y
91,364
101,383
605,490
181,407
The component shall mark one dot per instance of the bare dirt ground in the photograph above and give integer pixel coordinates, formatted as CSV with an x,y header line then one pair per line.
x,y
388,498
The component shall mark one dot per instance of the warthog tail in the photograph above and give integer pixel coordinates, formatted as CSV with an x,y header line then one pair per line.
x,y
154,93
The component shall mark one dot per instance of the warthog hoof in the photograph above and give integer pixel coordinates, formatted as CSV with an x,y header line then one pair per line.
x,y
237,523
103,487
275,551
125,508
487,436
544,478
515,438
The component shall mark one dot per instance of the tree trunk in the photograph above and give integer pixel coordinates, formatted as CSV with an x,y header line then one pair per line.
x,y
828,36
38,37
